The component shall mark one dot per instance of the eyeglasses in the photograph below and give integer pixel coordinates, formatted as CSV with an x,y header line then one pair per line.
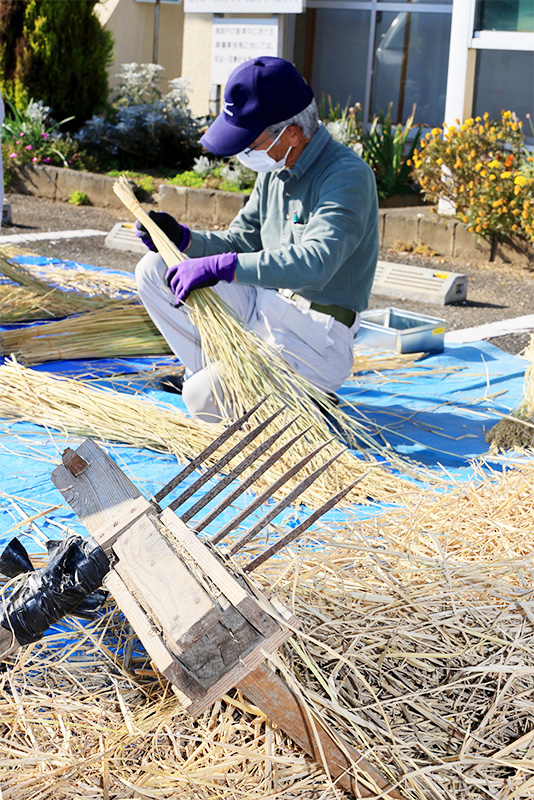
x,y
255,146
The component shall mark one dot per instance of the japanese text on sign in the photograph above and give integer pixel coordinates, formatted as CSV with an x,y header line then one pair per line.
x,y
243,6
237,40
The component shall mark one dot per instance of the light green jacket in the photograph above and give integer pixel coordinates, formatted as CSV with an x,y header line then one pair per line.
x,y
312,229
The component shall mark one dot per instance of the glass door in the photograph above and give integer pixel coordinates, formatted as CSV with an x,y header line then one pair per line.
x,y
377,53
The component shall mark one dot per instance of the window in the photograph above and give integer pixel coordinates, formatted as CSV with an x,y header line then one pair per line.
x,y
340,55
505,15
376,53
410,65
504,79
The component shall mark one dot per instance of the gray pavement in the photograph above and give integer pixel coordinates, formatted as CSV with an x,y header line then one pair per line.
x,y
495,291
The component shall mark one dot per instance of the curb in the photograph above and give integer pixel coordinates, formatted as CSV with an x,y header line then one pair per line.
x,y
412,226
448,237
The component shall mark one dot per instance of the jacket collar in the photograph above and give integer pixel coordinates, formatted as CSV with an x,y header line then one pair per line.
x,y
309,155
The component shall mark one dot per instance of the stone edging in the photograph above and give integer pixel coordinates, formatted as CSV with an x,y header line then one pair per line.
x,y
203,207
448,237
192,206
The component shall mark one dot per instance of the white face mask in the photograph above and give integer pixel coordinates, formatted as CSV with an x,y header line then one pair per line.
x,y
260,160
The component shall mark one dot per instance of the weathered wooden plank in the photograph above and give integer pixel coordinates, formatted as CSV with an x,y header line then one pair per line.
x,y
221,647
184,684
247,663
219,574
163,585
100,491
350,769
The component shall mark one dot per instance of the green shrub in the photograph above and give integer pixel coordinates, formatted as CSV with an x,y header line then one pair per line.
x,y
344,124
144,184
11,50
228,176
388,149
55,50
142,128
482,168
188,178
78,198
384,145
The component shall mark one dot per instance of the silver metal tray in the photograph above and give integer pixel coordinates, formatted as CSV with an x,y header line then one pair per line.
x,y
400,331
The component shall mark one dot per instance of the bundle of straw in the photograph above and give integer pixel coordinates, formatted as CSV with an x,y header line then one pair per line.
x,y
74,407
60,293
417,645
516,431
118,331
251,369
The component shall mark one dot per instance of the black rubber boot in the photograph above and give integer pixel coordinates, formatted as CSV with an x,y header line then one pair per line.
x,y
333,398
172,383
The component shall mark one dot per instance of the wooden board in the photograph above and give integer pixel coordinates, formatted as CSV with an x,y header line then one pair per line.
x,y
170,594
98,494
219,574
350,770
163,660
247,664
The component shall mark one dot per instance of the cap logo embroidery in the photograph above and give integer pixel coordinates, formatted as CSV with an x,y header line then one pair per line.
x,y
226,108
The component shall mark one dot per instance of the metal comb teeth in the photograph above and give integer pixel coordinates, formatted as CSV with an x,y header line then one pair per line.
x,y
232,453
206,453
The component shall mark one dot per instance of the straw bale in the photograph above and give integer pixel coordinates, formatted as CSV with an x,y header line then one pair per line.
x,y
51,291
119,331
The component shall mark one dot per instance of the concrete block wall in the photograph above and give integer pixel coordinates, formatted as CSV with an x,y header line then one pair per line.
x,y
199,207
58,183
448,237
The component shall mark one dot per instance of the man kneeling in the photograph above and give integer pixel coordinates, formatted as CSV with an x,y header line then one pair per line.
x,y
297,263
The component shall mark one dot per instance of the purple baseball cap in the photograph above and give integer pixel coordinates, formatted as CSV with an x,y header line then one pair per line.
x,y
259,93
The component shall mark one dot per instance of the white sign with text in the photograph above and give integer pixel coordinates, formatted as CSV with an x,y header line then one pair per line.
x,y
237,40
243,6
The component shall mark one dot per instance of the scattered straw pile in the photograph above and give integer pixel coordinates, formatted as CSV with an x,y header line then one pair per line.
x,y
76,722
116,332
74,407
59,293
516,432
419,638
417,645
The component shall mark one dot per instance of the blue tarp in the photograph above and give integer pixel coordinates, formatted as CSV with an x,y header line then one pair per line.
x,y
435,413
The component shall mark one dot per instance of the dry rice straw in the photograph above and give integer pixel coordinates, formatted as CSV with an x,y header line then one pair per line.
x,y
119,331
251,370
417,646
74,407
516,432
60,293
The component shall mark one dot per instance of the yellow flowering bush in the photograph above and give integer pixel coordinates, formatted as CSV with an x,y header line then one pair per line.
x,y
480,166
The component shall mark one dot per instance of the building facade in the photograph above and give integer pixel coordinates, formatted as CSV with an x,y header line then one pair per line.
x,y
449,58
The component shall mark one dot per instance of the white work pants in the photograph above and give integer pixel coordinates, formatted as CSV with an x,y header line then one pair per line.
x,y
316,345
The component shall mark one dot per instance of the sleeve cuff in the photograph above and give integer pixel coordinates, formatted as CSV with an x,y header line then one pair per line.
x,y
197,247
247,269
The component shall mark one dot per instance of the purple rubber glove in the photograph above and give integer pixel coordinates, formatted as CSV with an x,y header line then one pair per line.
x,y
195,273
179,234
